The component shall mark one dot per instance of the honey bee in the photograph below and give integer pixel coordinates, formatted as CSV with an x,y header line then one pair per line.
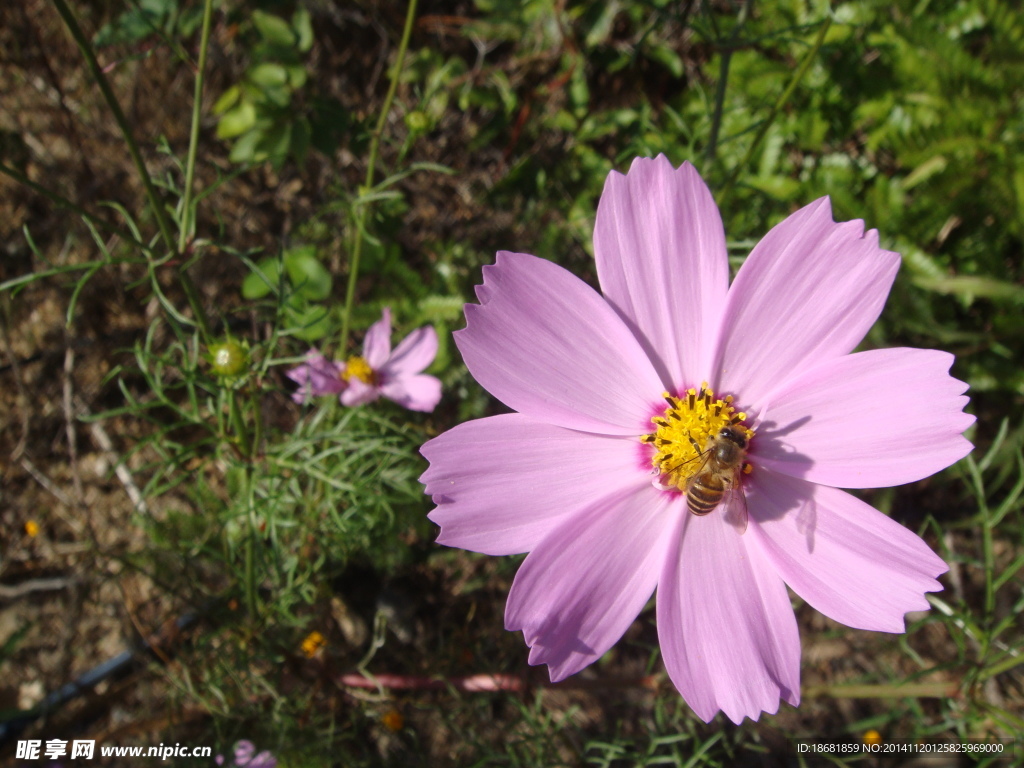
x,y
721,470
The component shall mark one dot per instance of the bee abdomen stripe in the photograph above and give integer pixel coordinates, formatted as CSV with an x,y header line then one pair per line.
x,y
702,500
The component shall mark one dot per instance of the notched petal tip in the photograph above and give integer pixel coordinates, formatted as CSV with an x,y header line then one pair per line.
x,y
843,557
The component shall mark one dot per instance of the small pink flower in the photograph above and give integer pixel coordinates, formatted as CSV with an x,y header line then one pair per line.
x,y
317,376
380,371
595,473
247,757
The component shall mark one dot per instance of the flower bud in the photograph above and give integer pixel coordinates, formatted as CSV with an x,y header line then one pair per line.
x,y
228,358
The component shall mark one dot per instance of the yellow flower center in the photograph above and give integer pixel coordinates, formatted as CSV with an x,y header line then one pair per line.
x,y
683,432
357,367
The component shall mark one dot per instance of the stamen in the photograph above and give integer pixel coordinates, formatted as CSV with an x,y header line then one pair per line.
x,y
357,367
685,432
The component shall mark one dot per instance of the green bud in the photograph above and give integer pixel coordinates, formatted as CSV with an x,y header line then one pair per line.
x,y
417,122
228,358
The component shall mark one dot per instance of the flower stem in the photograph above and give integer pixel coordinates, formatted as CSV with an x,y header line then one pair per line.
x,y
776,108
907,691
250,545
723,79
133,148
238,424
357,245
193,140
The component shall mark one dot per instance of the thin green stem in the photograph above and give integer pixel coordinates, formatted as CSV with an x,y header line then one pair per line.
x,y
194,301
1003,666
133,148
193,140
250,572
990,566
723,79
238,425
63,202
250,544
776,108
907,691
987,553
357,245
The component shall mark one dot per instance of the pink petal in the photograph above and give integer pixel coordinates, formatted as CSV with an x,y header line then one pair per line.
x,y
809,291
359,392
580,589
661,260
845,558
244,750
547,345
871,419
413,353
377,343
725,623
317,376
418,392
502,484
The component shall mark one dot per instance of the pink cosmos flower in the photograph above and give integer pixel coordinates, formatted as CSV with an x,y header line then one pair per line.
x,y
619,399
380,371
247,757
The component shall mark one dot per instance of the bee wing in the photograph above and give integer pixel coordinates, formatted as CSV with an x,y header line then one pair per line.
x,y
703,456
735,504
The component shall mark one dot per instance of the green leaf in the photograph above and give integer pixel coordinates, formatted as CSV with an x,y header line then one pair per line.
x,y
268,75
303,26
311,322
309,277
244,150
227,100
925,171
256,285
668,59
970,287
297,76
236,121
273,29
601,29
148,18
274,143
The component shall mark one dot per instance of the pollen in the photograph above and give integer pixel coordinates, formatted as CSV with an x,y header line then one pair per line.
x,y
680,440
357,367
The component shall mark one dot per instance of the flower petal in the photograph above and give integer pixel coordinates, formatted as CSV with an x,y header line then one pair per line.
x,y
503,483
661,261
413,353
580,589
871,419
359,392
418,392
317,376
377,343
844,557
547,345
809,291
725,623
